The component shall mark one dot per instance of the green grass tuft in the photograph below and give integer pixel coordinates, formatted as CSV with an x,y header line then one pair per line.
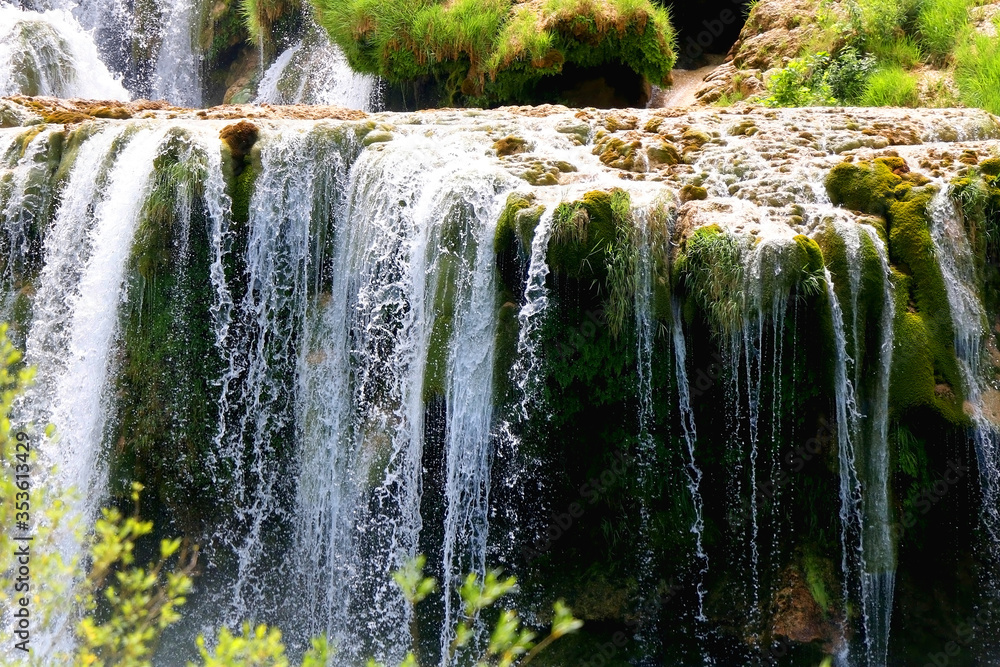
x,y
977,73
898,51
940,24
891,87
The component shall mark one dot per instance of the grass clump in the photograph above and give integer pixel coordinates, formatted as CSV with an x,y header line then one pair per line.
x,y
711,269
489,52
940,23
891,87
977,73
898,50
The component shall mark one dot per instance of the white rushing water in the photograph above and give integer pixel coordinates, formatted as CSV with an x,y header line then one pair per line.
x,y
868,553
694,474
177,75
411,265
50,53
851,518
71,339
352,322
314,71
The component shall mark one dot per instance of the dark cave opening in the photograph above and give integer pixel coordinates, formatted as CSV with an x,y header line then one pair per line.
x,y
705,27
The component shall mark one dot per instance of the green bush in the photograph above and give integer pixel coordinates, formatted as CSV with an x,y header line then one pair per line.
x,y
977,73
801,83
821,80
891,87
847,75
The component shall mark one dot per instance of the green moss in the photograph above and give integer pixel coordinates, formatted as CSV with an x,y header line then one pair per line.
x,y
863,186
581,232
496,51
925,371
693,192
169,363
911,249
512,239
990,166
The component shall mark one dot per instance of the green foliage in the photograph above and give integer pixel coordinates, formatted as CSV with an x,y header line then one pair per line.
x,y
411,581
847,75
940,23
510,644
711,269
260,646
495,51
821,80
897,50
801,83
977,195
141,602
891,87
593,243
977,73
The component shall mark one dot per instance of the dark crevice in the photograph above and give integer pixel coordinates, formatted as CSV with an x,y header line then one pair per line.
x,y
705,27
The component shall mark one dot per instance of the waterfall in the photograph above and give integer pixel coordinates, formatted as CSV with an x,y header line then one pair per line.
x,y
851,519
177,75
880,558
50,53
694,474
314,71
411,287
72,336
864,477
366,363
955,257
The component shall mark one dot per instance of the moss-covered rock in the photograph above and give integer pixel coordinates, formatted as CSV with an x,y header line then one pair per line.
x,y
496,51
863,186
512,238
925,372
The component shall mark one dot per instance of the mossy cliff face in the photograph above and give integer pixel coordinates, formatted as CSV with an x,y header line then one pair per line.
x,y
728,218
925,372
490,52
167,416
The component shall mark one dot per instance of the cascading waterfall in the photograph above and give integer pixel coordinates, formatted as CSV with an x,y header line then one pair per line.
x,y
851,519
50,53
75,326
880,558
419,243
177,76
694,474
314,71
863,447
366,333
